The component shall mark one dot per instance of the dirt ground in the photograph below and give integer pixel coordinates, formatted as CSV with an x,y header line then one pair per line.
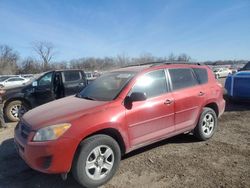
x,y
181,161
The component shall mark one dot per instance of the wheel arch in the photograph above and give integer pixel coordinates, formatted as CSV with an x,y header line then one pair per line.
x,y
17,99
113,133
213,106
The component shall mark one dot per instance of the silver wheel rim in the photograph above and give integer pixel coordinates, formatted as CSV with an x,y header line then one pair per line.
x,y
208,124
99,162
17,111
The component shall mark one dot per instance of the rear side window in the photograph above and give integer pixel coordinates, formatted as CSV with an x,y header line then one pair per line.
x,y
14,79
182,78
152,84
201,75
70,76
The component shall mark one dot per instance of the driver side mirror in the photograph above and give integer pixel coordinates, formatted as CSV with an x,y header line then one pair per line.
x,y
136,96
34,84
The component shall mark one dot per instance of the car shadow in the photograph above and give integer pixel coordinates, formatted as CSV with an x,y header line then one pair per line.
x,y
179,139
15,173
237,105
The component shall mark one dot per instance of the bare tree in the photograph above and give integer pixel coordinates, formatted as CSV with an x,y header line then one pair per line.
x,y
171,57
45,50
184,57
30,66
144,58
122,60
8,60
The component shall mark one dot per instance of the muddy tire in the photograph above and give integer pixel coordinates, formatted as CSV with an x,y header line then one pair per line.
x,y
15,109
207,124
97,160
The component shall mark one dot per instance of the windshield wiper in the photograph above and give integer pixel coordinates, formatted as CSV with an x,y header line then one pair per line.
x,y
84,97
88,98
78,95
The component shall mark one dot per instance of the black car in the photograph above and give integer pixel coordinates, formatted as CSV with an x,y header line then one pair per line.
x,y
246,67
43,88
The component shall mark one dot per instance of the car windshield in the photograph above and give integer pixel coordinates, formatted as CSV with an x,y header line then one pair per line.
x,y
106,87
3,78
216,70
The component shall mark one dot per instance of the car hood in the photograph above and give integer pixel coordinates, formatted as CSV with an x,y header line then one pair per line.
x,y
61,111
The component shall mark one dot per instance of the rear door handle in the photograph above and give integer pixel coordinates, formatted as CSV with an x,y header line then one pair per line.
x,y
168,102
201,93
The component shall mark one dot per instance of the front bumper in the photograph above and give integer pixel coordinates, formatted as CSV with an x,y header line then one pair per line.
x,y
47,157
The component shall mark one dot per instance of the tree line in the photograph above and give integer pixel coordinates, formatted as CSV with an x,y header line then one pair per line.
x,y
11,62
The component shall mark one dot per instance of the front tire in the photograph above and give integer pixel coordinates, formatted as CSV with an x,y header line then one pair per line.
x,y
207,124
15,109
97,161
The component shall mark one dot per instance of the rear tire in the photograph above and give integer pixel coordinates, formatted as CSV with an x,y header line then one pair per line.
x,y
207,124
97,160
15,109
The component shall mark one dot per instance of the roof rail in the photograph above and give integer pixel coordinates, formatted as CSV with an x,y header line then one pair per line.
x,y
164,62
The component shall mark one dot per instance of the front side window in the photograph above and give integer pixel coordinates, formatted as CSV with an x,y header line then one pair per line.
x,y
182,78
152,84
106,87
45,80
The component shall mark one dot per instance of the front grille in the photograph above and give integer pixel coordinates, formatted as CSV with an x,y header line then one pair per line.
x,y
24,130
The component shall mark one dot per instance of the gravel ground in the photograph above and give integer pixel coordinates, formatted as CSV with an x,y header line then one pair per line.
x,y
181,161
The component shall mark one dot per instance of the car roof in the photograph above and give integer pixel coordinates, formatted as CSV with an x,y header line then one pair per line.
x,y
154,66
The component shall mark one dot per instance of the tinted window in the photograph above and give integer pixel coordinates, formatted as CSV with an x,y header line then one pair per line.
x,y
45,80
182,78
71,76
152,84
201,75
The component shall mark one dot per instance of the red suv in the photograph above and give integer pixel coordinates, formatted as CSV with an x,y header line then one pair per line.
x,y
119,112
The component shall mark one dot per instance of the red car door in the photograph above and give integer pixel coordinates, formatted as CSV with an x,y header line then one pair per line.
x,y
188,98
151,119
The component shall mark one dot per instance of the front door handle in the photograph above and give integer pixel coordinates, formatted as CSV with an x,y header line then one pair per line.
x,y
201,93
168,102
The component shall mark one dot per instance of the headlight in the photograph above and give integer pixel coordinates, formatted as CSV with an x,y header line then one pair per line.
x,y
51,132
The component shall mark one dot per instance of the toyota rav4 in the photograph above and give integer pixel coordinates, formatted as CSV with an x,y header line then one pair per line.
x,y
119,112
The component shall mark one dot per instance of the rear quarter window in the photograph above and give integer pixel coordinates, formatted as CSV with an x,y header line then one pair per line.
x,y
182,78
201,75
70,76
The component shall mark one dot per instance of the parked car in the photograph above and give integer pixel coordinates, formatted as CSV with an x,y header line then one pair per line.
x,y
13,82
237,85
246,67
2,78
119,112
43,88
221,72
90,76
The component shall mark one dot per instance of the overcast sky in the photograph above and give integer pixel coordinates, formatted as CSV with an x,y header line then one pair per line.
x,y
204,29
